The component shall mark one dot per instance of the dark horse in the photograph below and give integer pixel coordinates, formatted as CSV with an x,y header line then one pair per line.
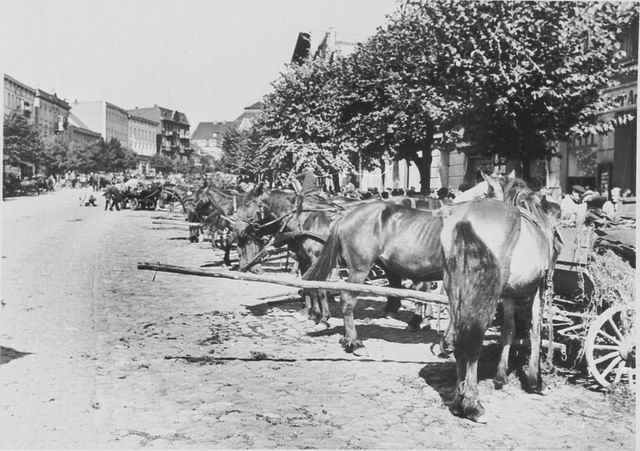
x,y
502,249
409,243
187,199
404,241
216,206
300,221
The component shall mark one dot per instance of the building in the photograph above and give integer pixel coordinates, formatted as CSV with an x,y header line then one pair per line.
x,y
78,134
142,140
51,114
142,135
105,118
608,160
246,120
208,136
18,98
172,131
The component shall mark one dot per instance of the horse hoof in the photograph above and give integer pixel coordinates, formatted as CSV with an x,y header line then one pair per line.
x,y
472,412
351,345
499,383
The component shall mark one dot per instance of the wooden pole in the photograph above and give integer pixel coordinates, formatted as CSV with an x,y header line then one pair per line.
x,y
176,222
307,284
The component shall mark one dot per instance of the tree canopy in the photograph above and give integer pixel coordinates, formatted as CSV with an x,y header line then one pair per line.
x,y
506,77
22,142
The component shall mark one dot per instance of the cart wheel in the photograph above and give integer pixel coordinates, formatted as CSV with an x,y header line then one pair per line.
x,y
611,347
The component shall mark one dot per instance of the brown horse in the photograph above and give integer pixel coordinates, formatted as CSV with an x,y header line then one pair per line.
x,y
300,221
404,241
495,250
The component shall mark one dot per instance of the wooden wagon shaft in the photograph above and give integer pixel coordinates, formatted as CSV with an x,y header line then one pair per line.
x,y
307,284
177,222
170,217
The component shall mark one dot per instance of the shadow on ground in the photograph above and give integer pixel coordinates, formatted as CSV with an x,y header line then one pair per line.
x,y
9,354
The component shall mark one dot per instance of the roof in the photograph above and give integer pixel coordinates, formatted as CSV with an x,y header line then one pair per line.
x,y
255,106
76,122
84,131
206,130
9,78
142,119
158,113
52,98
174,115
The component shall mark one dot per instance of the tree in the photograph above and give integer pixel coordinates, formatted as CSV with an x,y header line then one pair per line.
x,y
114,157
300,121
162,163
516,75
22,142
242,154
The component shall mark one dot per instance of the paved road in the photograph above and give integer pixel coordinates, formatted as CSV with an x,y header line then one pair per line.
x,y
97,354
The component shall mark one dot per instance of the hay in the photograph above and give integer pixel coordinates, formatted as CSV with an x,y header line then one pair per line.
x,y
613,285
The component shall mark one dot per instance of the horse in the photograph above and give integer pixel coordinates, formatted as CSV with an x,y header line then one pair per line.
x,y
187,199
404,241
500,249
217,206
302,221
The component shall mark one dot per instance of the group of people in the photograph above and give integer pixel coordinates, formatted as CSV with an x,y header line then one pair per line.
x,y
575,204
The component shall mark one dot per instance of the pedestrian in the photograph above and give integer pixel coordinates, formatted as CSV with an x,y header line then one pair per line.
x,y
571,206
611,206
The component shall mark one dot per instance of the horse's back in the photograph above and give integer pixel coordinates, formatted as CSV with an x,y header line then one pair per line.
x,y
494,222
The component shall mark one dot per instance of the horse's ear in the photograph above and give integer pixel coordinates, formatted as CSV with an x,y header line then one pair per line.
x,y
512,174
487,178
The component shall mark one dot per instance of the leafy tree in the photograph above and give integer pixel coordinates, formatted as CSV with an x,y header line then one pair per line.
x,y
300,120
162,163
22,142
516,75
114,157
242,153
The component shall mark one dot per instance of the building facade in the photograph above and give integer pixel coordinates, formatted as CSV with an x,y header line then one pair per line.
x,y
246,119
208,137
142,135
105,118
51,115
78,134
172,131
604,161
18,98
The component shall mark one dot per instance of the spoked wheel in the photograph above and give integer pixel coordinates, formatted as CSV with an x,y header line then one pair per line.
x,y
611,347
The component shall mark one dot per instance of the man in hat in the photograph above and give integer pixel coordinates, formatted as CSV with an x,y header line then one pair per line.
x,y
571,205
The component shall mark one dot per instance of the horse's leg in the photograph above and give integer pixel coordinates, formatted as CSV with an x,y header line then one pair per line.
x,y
227,251
393,302
534,373
467,352
350,341
507,332
325,314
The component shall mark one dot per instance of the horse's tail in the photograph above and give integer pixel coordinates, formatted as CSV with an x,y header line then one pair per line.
x,y
474,281
327,259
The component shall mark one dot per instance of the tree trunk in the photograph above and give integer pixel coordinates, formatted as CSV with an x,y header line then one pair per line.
x,y
336,182
424,168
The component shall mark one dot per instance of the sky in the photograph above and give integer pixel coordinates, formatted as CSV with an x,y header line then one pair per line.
x,y
206,58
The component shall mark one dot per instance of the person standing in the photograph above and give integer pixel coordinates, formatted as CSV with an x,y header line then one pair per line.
x,y
571,205
610,207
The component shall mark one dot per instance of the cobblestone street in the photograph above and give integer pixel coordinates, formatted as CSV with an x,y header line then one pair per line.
x,y
96,353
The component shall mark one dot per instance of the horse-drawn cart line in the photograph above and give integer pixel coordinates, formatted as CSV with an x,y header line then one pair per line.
x,y
419,296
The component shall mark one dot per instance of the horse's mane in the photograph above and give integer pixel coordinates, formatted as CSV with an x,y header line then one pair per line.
x,y
517,192
281,201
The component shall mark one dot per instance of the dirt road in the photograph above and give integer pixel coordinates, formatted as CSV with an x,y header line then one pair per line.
x,y
97,354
